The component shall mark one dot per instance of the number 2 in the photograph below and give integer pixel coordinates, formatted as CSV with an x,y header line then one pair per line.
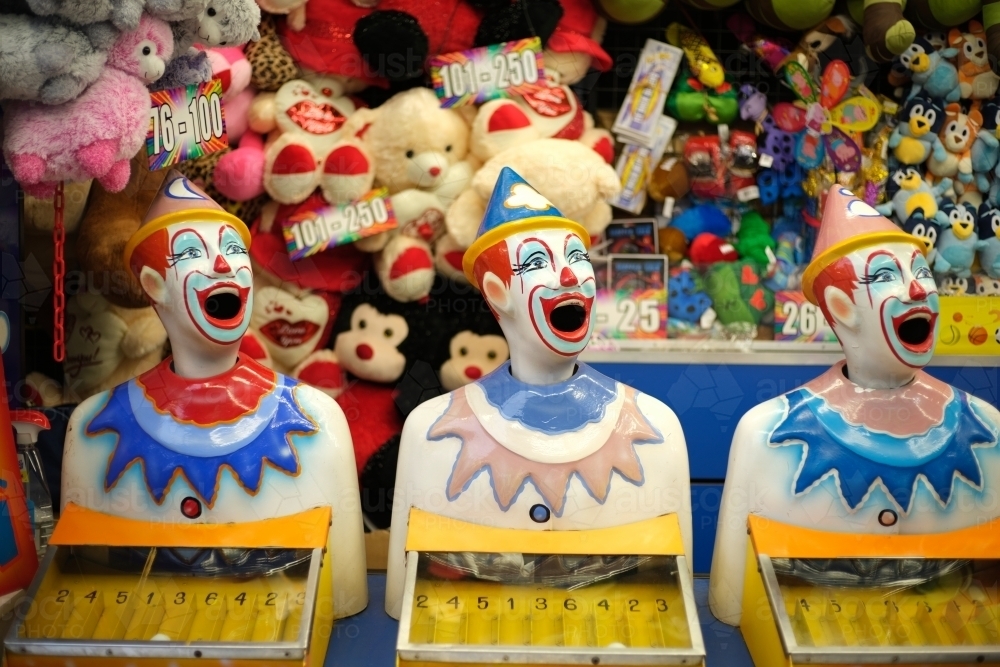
x,y
422,602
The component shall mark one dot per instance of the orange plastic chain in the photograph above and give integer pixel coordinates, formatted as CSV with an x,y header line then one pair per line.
x,y
58,275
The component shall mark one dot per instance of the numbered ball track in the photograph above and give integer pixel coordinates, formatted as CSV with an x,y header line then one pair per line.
x,y
484,614
865,617
164,608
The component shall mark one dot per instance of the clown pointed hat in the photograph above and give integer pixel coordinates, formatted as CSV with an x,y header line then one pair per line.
x,y
515,207
848,224
180,200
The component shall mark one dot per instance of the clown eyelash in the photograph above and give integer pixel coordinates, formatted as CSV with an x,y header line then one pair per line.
x,y
878,276
189,253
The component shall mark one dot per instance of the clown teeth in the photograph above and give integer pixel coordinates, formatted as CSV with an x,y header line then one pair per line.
x,y
224,290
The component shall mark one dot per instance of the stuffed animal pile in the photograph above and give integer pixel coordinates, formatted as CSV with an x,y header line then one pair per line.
x,y
75,77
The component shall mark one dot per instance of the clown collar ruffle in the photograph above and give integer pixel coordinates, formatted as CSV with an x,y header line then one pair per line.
x,y
553,408
221,399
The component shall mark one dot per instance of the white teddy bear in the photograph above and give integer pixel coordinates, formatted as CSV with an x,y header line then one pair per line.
x,y
421,155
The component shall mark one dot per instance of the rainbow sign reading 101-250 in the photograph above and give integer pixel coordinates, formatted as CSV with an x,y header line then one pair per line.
x,y
185,123
488,72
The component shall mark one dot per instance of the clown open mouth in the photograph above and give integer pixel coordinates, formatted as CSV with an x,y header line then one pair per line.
x,y
568,315
913,329
223,304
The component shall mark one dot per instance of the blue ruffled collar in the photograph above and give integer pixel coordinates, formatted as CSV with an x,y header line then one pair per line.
x,y
553,408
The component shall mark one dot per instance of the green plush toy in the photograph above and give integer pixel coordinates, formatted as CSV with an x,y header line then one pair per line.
x,y
691,101
790,15
754,239
737,292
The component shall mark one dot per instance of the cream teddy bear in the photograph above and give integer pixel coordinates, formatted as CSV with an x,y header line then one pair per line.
x,y
421,155
569,174
106,345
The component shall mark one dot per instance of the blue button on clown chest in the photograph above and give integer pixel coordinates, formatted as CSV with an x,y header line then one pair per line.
x,y
513,432
174,428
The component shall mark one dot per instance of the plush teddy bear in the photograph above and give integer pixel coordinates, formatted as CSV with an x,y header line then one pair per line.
x,y
106,345
958,134
44,60
306,147
420,152
573,177
219,23
96,134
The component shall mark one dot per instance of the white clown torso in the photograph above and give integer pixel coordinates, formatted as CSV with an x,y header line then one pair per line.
x,y
586,453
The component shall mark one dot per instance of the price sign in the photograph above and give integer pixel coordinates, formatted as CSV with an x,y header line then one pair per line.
x,y
633,305
488,72
185,123
795,319
311,231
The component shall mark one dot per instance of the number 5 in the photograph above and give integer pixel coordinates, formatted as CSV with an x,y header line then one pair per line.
x,y
649,316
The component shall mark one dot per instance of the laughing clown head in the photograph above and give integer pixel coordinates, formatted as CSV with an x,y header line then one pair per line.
x,y
532,266
190,257
874,286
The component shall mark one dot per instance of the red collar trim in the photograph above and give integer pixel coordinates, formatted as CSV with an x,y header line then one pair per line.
x,y
221,399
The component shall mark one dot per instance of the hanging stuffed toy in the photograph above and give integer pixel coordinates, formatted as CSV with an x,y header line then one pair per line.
x,y
96,134
932,70
44,60
958,244
957,136
986,148
916,137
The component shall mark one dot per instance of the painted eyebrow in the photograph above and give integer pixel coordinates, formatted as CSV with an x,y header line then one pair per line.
x,y
538,241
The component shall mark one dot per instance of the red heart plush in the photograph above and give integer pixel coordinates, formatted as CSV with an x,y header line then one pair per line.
x,y
749,277
757,300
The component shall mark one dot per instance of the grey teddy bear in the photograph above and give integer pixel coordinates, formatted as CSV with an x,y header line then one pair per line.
x,y
124,14
223,23
44,60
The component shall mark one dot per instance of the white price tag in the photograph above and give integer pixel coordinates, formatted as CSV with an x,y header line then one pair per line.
x,y
185,123
748,193
765,161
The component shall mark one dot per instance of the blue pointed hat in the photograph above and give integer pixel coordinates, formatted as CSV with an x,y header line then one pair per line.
x,y
515,207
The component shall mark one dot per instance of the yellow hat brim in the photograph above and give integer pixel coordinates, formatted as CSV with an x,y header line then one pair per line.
x,y
187,215
508,229
847,246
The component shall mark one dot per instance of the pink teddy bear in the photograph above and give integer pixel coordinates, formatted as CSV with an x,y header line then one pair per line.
x,y
98,133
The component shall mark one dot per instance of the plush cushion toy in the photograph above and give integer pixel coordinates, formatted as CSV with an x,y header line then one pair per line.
x,y
420,153
44,60
96,134
570,175
975,78
932,70
753,240
738,293
306,147
916,136
106,345
959,243
686,298
908,193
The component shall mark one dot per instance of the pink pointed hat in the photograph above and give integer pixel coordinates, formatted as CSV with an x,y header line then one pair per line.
x,y
180,200
848,224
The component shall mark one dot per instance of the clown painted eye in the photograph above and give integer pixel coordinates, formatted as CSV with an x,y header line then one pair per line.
x,y
463,351
362,324
410,154
536,260
923,273
491,355
387,333
235,249
880,276
186,253
578,256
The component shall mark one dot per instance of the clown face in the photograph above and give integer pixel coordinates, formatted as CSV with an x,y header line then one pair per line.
x,y
551,293
206,291
896,302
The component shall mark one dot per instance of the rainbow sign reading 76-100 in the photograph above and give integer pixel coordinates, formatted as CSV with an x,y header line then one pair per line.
x,y
488,72
185,123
